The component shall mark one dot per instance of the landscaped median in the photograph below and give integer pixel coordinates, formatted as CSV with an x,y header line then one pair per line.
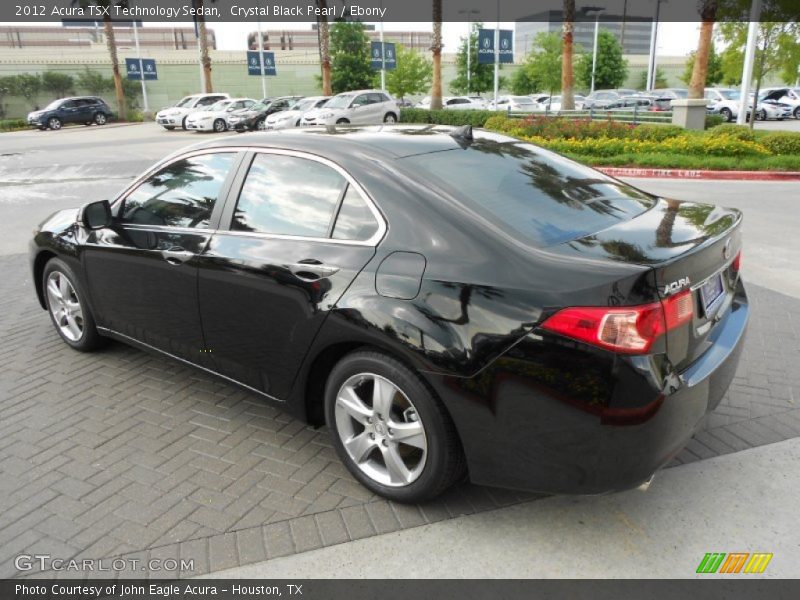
x,y
617,144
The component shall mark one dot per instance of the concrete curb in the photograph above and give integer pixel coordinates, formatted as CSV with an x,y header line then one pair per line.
x,y
651,173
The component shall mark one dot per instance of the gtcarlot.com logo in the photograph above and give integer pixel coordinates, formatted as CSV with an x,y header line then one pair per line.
x,y
45,562
734,562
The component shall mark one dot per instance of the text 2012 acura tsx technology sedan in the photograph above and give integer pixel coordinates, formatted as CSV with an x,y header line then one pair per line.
x,y
449,303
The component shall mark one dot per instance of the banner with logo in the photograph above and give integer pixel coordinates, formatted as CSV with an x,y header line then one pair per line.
x,y
506,46
486,46
390,57
254,63
148,68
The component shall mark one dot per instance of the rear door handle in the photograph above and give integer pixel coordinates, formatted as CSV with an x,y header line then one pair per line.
x,y
311,269
176,257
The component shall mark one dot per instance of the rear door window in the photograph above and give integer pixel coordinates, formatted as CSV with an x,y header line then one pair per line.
x,y
355,220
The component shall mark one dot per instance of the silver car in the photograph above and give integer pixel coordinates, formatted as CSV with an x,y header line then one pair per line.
x,y
293,116
175,116
362,107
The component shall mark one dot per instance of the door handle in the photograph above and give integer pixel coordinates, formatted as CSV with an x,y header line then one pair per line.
x,y
176,257
310,269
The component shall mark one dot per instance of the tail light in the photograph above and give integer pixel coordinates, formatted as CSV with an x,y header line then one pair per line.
x,y
628,330
737,262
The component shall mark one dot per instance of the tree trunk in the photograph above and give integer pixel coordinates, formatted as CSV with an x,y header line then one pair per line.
x,y
700,69
111,42
436,49
567,79
205,59
324,50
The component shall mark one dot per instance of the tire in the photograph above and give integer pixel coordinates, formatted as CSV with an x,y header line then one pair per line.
x,y
429,462
168,128
54,123
390,118
797,113
220,126
761,115
71,317
726,114
342,122
183,124
100,119
261,125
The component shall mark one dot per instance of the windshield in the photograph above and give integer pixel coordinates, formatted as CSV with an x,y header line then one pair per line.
x,y
185,101
53,105
342,101
521,100
729,94
537,196
303,104
258,106
218,106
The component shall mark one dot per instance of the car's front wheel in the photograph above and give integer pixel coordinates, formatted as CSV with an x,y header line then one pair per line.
x,y
68,309
261,124
54,123
797,113
219,125
342,122
390,431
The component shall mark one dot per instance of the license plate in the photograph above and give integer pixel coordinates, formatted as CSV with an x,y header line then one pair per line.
x,y
711,291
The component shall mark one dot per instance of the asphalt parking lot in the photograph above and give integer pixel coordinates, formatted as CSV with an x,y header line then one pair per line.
x,y
123,454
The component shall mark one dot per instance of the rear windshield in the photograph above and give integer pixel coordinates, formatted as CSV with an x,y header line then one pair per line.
x,y
537,196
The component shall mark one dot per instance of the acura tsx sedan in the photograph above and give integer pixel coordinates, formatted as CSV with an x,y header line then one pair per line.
x,y
450,303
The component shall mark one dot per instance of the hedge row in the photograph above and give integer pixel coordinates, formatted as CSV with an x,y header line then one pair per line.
x,y
476,118
13,124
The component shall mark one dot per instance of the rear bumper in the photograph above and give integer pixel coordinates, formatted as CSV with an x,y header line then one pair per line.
x,y
521,430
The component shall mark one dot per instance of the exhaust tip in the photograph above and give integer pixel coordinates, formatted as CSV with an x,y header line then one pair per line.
x,y
644,486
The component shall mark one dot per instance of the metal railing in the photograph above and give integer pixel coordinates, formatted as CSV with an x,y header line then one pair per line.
x,y
635,115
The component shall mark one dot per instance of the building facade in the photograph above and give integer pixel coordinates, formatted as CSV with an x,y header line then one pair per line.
x,y
155,38
308,39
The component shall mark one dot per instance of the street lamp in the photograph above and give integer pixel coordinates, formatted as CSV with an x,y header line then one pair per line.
x,y
469,14
598,10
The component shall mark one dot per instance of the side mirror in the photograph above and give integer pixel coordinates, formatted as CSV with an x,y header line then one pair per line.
x,y
96,215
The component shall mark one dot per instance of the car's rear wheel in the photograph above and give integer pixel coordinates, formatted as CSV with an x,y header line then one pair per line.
x,y
761,115
726,114
68,309
219,125
168,128
390,431
342,122
54,123
797,113
390,118
261,124
100,119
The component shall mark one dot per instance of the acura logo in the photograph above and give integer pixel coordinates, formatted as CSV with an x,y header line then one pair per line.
x,y
487,42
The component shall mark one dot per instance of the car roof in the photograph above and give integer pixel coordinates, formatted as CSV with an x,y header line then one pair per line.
x,y
389,142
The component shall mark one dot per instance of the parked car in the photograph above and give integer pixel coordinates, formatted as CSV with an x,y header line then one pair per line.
x,y
553,103
450,303
672,93
362,107
255,116
784,95
80,109
215,118
293,115
514,104
629,103
175,116
602,98
729,108
463,103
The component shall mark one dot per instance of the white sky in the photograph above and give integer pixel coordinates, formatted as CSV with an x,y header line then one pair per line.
x,y
674,39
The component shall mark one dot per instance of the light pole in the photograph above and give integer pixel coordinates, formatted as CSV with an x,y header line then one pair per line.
x,y
383,57
469,14
141,68
747,71
651,63
598,10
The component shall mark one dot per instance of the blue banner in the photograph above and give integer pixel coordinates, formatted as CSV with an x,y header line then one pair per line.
x,y
486,46
148,66
254,63
389,61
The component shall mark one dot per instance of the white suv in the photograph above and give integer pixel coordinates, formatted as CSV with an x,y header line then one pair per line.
x,y
175,116
362,107
784,95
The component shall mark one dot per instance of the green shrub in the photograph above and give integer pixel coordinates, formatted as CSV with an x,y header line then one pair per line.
x,y
578,129
740,132
476,118
782,143
502,123
656,133
13,124
714,121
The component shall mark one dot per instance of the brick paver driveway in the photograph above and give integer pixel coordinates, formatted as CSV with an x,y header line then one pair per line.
x,y
120,453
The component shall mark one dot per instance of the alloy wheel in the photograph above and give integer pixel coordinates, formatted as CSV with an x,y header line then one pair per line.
x,y
65,306
219,125
100,119
54,123
261,125
380,430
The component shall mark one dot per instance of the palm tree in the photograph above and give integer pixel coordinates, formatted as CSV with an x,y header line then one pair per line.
x,y
708,13
205,59
324,47
111,43
567,78
436,49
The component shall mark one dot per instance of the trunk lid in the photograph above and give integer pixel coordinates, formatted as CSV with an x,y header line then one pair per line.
x,y
689,246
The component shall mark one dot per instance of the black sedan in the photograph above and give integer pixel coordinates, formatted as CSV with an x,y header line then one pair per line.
x,y
253,117
451,304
